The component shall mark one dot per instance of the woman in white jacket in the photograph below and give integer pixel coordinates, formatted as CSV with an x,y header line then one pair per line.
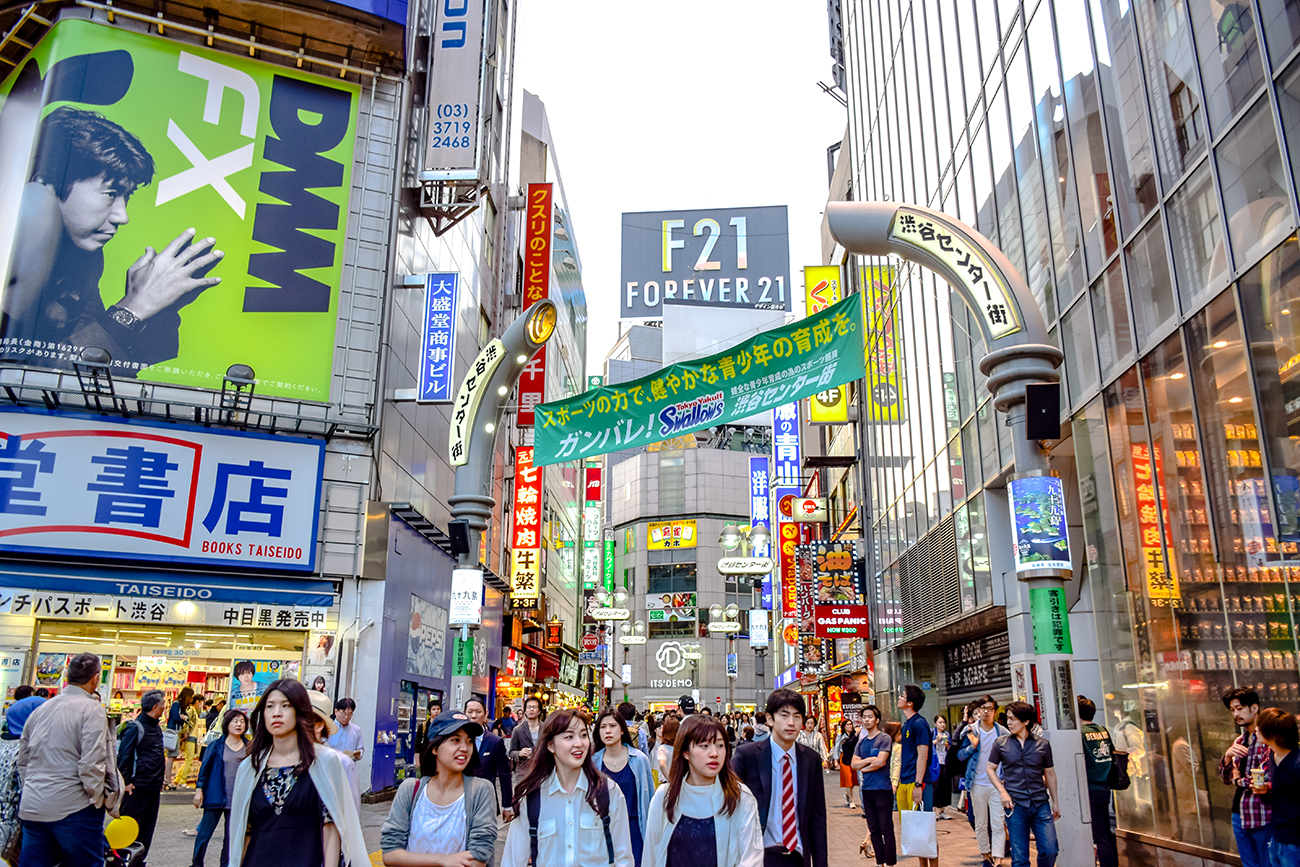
x,y
704,816
292,805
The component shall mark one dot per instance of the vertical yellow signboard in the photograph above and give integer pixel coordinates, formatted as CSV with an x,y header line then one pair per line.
x,y
884,397
821,286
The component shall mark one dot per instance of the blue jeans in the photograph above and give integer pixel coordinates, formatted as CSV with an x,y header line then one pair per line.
x,y
1252,843
75,839
207,827
1021,818
1285,854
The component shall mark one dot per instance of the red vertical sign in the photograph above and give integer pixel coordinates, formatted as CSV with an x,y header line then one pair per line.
x,y
593,485
537,285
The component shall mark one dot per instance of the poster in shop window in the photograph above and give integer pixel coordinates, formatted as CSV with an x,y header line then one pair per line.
x,y
426,653
182,208
49,668
250,677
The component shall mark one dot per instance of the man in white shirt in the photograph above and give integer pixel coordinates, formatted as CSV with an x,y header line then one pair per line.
x,y
986,806
348,738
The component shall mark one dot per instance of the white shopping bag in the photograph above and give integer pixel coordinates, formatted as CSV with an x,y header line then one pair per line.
x,y
920,835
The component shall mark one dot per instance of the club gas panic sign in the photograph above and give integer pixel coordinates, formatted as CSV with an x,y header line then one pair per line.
x,y
722,257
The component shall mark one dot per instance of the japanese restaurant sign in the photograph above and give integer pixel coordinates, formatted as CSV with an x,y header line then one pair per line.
x,y
128,490
758,374
526,531
539,218
1149,492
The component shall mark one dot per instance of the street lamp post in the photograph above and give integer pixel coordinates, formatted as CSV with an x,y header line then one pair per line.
x,y
753,543
694,653
610,609
727,621
633,633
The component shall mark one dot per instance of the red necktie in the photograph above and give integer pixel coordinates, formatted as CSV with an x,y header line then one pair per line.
x,y
789,834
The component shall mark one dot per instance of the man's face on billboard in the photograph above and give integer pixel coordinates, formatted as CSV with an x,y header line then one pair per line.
x,y
93,210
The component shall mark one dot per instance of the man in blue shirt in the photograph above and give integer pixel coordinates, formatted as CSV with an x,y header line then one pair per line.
x,y
872,758
914,766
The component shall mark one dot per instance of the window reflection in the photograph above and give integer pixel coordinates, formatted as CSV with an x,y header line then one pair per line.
x,y
1231,67
980,552
1082,108
1005,179
1280,24
1152,287
1270,303
1254,185
1029,177
965,561
1121,85
986,222
1144,558
1110,313
1176,105
1080,355
1054,148
1196,235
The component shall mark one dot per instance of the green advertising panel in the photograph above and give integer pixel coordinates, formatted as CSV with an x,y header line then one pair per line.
x,y
763,372
181,208
1051,619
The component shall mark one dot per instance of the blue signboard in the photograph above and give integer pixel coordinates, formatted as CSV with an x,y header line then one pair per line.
x,y
438,342
785,445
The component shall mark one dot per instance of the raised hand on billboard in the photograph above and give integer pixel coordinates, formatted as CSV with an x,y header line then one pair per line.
x,y
158,279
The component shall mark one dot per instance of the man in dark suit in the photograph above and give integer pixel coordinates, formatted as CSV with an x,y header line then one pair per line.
x,y
493,763
786,778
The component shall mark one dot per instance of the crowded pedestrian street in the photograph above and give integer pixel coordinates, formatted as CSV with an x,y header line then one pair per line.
x,y
650,433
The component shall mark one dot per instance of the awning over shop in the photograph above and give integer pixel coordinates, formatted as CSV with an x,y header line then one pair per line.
x,y
548,664
159,584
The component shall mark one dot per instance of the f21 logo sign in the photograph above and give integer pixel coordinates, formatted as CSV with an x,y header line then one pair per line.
x,y
727,257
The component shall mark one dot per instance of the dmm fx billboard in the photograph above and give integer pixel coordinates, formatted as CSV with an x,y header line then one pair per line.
x,y
721,257
182,208
139,491
763,372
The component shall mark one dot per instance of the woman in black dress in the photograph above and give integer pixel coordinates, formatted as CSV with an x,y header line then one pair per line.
x,y
293,805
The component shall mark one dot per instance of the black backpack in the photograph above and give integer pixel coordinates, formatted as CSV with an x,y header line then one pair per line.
x,y
534,804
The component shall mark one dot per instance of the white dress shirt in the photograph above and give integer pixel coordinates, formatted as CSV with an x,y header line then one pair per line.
x,y
569,833
774,835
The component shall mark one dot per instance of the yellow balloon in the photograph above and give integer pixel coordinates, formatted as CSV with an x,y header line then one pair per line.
x,y
122,832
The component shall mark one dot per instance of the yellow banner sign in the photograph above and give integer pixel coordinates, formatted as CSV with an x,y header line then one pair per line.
x,y
884,398
821,287
525,570
670,534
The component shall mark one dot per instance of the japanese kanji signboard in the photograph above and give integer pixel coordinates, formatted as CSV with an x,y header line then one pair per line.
x,y
821,286
761,373
526,531
884,393
438,342
978,279
139,491
538,229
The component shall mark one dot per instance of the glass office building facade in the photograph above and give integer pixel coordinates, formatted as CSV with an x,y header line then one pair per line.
x,y
1136,160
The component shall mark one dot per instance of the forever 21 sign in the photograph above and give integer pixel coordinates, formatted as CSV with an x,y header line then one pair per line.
x,y
978,664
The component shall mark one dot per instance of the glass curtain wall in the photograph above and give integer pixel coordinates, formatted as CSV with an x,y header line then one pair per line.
x,y
1137,160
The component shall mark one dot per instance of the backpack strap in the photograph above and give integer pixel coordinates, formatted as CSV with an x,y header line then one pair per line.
x,y
534,803
139,739
602,807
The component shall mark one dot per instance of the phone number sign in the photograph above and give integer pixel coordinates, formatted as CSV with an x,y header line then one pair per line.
x,y
138,491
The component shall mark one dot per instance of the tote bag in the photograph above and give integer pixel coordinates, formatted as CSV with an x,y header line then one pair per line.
x,y
920,834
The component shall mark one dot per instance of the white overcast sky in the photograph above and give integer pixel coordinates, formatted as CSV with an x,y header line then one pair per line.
x,y
664,104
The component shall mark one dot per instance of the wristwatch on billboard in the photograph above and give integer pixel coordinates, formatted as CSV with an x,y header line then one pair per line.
x,y
125,317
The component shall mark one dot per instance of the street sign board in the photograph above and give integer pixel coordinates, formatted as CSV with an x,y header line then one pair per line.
x,y
589,657
590,641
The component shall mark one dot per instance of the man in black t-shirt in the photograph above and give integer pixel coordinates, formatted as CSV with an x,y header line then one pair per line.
x,y
1098,757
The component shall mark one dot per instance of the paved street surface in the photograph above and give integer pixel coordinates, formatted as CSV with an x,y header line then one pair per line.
x,y
845,829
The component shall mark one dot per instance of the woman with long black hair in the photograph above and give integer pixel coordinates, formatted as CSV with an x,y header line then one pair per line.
x,y
292,806
704,816
580,820
627,766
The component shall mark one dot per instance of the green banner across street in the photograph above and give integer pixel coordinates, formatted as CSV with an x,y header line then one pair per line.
x,y
765,371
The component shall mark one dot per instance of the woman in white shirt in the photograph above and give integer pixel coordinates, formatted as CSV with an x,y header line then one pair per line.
x,y
448,816
704,816
581,820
